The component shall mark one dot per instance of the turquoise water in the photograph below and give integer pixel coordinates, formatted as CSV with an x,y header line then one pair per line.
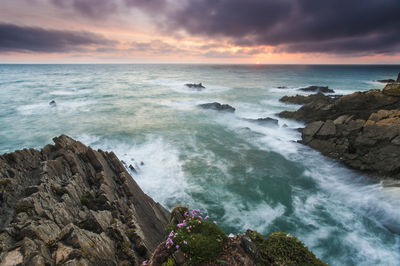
x,y
242,174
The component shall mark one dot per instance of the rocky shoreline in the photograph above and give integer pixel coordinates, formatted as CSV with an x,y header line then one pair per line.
x,y
71,205
361,130
68,204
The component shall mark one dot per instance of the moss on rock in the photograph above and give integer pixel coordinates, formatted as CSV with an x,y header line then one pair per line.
x,y
199,239
281,249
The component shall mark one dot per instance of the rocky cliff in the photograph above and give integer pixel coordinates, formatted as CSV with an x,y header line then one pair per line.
x,y
71,205
361,129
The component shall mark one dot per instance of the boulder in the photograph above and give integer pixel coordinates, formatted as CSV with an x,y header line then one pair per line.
x,y
392,89
323,89
217,106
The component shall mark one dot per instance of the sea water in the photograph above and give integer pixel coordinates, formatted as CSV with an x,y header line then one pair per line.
x,y
242,174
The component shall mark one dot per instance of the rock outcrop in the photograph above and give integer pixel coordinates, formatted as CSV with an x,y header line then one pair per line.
x,y
195,86
218,107
361,129
71,205
392,89
301,99
386,80
359,104
264,121
323,89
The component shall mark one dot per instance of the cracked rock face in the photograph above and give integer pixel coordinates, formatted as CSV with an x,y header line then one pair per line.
x,y
360,129
69,204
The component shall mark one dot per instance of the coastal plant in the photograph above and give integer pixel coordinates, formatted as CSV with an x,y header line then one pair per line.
x,y
170,262
84,200
282,249
199,239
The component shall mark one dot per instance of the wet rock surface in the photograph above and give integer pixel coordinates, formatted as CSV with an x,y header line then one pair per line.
x,y
198,86
323,89
69,204
218,107
361,129
264,121
386,80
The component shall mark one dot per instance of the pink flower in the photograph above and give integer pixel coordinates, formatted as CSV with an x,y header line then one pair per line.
x,y
144,263
184,242
177,246
205,218
215,222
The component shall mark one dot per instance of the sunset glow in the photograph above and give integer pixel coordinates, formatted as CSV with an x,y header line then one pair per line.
x,y
165,31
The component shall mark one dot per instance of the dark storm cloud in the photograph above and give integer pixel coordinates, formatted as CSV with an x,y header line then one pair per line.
x,y
338,26
25,39
326,26
91,8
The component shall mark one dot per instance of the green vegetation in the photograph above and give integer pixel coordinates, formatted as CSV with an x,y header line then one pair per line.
x,y
282,249
84,200
199,239
170,262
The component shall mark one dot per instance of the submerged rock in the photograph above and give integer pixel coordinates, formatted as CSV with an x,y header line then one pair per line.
x,y
323,89
386,80
69,204
217,106
264,121
53,103
195,86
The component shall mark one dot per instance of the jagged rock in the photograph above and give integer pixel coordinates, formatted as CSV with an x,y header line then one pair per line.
x,y
217,106
323,89
69,204
370,145
195,86
359,104
360,129
398,78
392,89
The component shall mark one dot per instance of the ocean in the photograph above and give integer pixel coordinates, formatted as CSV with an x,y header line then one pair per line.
x,y
242,174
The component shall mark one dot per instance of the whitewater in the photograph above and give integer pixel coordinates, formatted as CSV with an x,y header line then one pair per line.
x,y
243,174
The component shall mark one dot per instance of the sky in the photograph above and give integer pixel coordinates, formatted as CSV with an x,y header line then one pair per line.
x,y
200,31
